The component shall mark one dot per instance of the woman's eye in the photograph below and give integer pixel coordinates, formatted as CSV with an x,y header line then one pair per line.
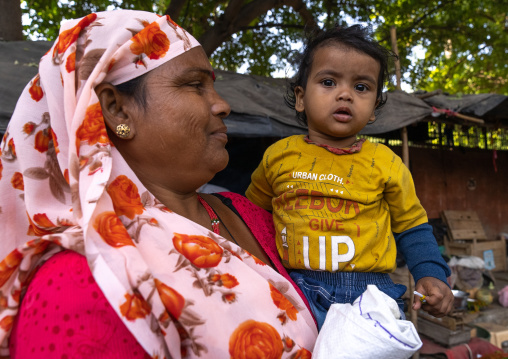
x,y
361,87
196,84
328,83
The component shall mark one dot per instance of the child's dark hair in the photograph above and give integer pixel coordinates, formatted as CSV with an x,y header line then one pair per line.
x,y
355,37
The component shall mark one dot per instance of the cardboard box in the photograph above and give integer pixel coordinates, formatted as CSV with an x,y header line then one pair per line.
x,y
497,334
477,249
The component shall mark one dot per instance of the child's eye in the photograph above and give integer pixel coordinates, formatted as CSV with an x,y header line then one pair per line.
x,y
328,83
361,87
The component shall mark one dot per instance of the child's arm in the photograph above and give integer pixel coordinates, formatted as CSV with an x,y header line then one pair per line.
x,y
429,270
260,190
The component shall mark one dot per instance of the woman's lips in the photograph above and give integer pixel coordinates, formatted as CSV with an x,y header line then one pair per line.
x,y
221,136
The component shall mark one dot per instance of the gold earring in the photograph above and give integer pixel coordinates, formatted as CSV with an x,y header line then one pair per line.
x,y
123,131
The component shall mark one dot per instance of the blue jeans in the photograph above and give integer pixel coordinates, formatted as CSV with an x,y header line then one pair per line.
x,y
322,289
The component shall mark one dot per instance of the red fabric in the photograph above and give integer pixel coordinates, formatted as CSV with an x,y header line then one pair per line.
x,y
474,348
260,223
64,315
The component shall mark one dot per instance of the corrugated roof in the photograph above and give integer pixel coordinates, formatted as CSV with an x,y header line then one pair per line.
x,y
257,103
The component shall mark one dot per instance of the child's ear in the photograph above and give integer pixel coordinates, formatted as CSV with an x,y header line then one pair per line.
x,y
372,117
115,109
299,93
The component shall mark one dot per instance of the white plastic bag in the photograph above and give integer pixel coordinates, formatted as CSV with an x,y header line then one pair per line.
x,y
368,328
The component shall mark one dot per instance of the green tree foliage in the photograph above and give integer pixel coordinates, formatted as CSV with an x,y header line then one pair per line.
x,y
464,42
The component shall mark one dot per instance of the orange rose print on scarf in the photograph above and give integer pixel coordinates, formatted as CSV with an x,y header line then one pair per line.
x,y
35,89
55,141
37,225
68,37
42,141
288,343
9,265
229,298
201,251
7,322
255,340
17,181
38,245
256,259
303,354
92,130
112,230
70,64
283,304
29,127
225,280
135,307
12,147
172,300
125,197
150,41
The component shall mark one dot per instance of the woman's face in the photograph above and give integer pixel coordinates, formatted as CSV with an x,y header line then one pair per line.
x,y
180,138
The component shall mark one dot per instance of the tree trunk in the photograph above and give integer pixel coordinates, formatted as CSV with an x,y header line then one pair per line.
x,y
11,28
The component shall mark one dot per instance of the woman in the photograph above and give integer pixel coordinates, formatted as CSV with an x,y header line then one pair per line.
x,y
107,249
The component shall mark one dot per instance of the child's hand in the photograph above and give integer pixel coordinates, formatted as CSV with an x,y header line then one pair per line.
x,y
438,297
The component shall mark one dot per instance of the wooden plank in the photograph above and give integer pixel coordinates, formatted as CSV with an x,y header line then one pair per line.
x,y
463,225
446,321
443,335
461,215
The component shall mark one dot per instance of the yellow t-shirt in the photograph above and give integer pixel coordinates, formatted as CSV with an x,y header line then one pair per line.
x,y
336,212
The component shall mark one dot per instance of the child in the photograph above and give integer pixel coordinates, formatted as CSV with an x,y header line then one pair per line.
x,y
336,199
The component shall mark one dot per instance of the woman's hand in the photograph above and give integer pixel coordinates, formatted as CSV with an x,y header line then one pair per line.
x,y
438,297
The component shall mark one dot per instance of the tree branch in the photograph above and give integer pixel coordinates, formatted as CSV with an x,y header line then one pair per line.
x,y
280,26
239,15
412,25
175,8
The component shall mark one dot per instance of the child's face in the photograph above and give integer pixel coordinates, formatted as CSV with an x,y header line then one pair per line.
x,y
340,96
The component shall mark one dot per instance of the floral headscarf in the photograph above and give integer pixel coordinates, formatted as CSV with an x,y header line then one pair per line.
x,y
63,185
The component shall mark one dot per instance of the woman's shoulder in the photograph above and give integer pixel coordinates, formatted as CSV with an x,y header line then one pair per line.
x,y
244,206
259,220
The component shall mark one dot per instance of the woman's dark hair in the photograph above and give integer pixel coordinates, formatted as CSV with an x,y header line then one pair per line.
x,y
135,88
355,37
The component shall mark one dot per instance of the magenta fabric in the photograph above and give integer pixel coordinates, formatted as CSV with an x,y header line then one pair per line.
x,y
64,315
260,223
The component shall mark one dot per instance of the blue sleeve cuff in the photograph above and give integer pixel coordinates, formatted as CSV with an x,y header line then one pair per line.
x,y
421,252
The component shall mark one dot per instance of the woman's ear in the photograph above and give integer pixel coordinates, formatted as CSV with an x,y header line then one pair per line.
x,y
116,110
299,93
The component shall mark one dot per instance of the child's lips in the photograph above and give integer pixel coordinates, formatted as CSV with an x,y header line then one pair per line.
x,y
342,114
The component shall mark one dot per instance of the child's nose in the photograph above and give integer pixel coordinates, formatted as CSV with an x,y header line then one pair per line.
x,y
344,94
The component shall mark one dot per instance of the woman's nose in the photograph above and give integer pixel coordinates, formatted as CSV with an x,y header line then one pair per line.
x,y
220,107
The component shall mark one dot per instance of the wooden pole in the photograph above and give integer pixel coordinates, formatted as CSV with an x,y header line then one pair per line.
x,y
405,159
395,49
